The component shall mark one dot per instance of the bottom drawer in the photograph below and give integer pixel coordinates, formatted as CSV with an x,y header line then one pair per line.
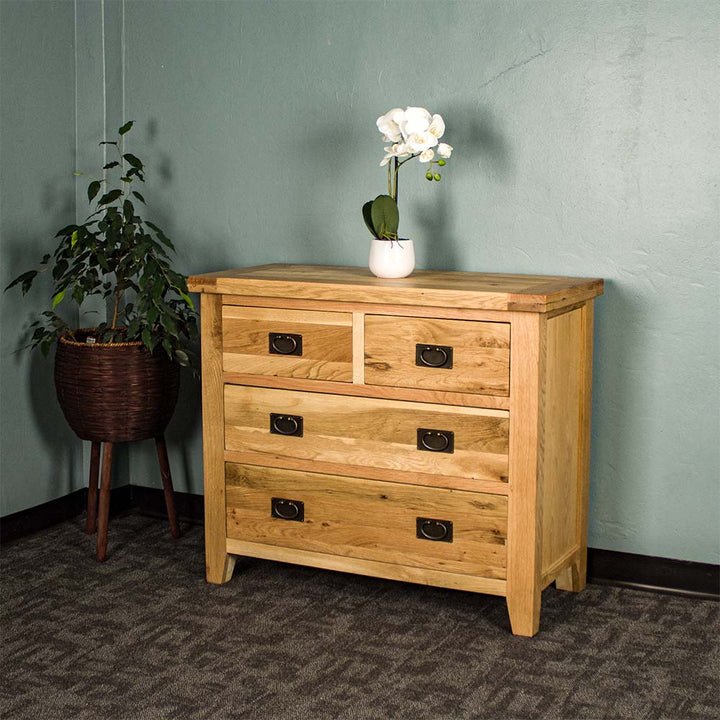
x,y
435,528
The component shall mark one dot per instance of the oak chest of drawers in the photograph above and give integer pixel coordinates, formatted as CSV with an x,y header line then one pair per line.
x,y
433,429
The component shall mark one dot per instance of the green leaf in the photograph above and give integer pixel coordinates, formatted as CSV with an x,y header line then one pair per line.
x,y
74,239
186,298
126,127
112,164
112,196
57,299
126,179
182,358
385,216
26,277
93,189
367,217
66,230
146,337
138,196
135,162
108,142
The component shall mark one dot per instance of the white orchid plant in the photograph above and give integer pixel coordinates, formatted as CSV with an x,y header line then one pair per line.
x,y
413,133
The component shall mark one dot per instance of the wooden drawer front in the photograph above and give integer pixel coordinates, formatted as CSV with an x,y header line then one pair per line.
x,y
368,519
326,339
480,354
363,432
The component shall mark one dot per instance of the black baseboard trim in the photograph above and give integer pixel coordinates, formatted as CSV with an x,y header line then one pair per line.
x,y
605,567
40,517
644,572
151,501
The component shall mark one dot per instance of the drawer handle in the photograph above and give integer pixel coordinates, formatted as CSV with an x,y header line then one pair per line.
x,y
290,425
442,441
436,530
285,344
434,356
285,509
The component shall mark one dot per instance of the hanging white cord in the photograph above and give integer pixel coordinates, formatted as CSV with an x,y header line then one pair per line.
x,y
104,85
122,61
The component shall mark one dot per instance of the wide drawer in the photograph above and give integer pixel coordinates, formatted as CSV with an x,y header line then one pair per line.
x,y
438,354
454,531
287,343
410,437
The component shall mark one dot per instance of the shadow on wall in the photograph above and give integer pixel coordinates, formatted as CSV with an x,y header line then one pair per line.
x,y
482,155
185,426
211,253
60,442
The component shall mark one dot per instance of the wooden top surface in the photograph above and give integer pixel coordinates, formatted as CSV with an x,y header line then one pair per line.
x,y
479,291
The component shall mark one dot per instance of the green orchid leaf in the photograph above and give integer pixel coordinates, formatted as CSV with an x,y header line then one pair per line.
x,y
385,216
126,127
367,217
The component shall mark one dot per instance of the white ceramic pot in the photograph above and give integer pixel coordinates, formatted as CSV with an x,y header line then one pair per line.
x,y
391,258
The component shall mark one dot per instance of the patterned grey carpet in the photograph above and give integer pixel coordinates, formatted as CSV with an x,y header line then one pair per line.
x,y
142,637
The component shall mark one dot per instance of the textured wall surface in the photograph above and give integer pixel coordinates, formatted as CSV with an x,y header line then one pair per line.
x,y
586,143
40,458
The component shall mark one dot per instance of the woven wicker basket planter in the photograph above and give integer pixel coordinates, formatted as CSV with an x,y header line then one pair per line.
x,y
114,392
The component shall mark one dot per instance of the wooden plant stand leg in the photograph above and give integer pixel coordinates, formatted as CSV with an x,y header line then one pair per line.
x,y
161,448
91,521
104,510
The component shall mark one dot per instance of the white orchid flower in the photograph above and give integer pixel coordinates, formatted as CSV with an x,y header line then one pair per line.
x,y
444,150
437,126
387,124
427,155
396,150
414,120
420,141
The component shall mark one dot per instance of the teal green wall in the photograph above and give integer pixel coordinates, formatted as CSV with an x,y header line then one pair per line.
x,y
40,458
586,135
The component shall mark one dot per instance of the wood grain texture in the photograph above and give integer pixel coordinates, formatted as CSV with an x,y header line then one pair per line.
x,y
368,432
369,520
561,420
327,339
358,348
422,576
218,565
367,471
526,463
482,291
495,402
481,354
574,578
429,311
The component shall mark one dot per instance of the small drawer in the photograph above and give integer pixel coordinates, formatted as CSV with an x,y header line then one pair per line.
x,y
287,343
460,532
436,354
392,436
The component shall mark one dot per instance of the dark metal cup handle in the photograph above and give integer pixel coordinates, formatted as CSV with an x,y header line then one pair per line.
x,y
436,530
291,425
442,441
285,344
434,356
285,509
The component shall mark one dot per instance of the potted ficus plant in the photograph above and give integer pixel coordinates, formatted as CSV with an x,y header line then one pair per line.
x,y
117,381
413,133
116,255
